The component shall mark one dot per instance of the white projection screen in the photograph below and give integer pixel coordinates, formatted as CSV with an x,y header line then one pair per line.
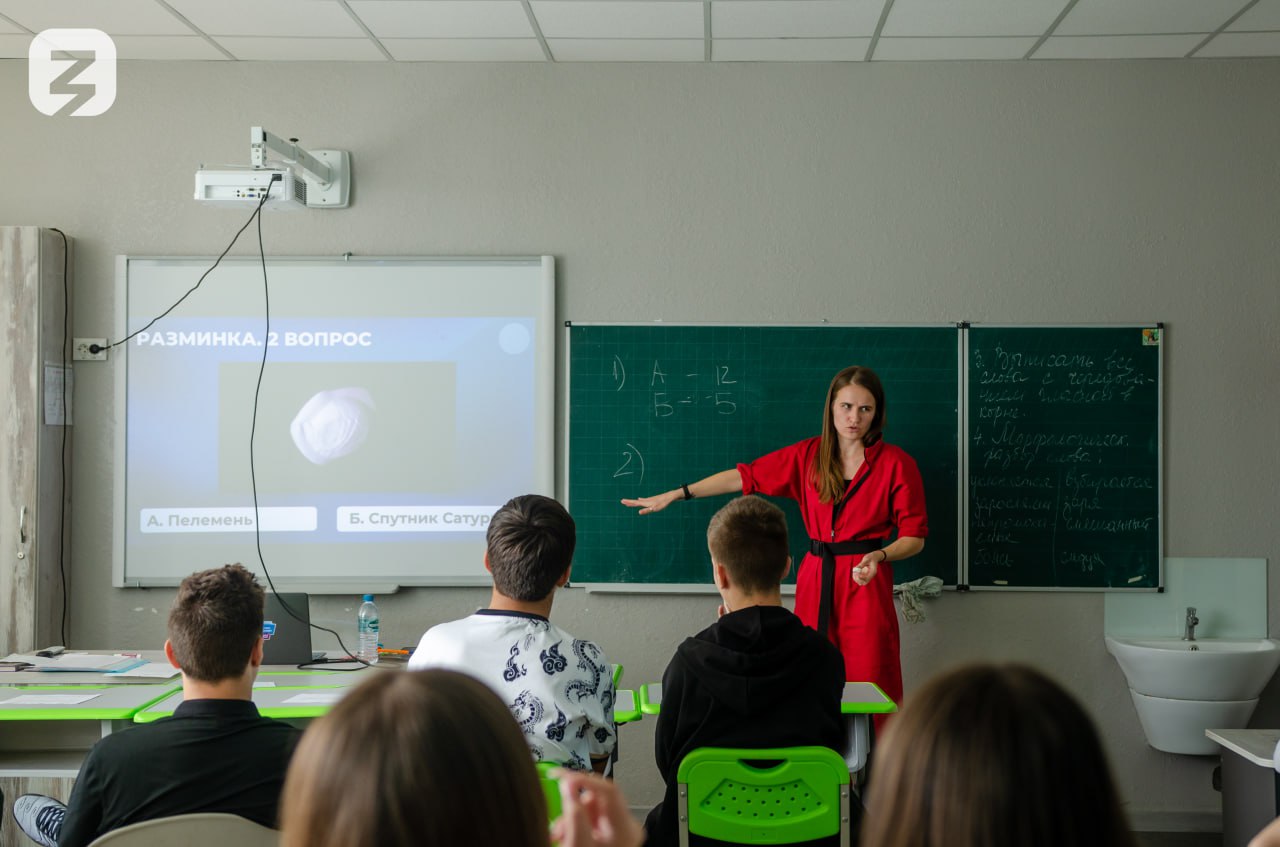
x,y
403,401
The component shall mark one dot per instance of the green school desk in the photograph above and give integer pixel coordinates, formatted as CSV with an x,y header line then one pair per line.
x,y
310,676
283,702
858,702
312,679
51,739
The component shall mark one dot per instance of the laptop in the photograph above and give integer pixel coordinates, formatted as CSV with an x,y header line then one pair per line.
x,y
285,639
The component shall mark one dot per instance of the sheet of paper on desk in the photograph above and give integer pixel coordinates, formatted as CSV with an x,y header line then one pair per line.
x,y
89,662
326,698
154,670
49,699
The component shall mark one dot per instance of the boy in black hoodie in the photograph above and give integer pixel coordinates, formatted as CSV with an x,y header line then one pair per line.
x,y
757,677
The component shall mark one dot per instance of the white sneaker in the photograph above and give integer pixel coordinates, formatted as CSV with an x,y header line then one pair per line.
x,y
40,817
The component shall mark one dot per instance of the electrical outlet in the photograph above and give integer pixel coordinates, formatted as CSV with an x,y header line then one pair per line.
x,y
80,350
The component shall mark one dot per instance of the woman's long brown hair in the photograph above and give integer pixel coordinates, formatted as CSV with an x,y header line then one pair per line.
x,y
992,756
828,470
414,759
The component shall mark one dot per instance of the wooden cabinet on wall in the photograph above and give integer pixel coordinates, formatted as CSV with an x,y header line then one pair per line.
x,y
35,455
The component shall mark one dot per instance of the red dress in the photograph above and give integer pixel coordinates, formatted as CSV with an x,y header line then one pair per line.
x,y
864,621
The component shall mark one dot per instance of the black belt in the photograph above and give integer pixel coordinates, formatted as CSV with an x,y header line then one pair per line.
x,y
828,550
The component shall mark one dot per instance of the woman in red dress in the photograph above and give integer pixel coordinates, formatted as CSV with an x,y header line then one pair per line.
x,y
854,492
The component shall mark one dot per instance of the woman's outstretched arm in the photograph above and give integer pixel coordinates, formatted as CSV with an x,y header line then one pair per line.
x,y
725,482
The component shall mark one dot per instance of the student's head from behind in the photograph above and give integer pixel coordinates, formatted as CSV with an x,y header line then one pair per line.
x,y
215,624
748,537
414,758
530,546
992,755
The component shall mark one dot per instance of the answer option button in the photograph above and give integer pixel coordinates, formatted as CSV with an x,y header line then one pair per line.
x,y
228,519
414,518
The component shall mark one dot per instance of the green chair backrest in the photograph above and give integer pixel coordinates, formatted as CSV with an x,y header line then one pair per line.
x,y
550,789
777,795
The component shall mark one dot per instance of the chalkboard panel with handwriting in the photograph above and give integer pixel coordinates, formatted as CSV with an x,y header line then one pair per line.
x,y
1064,457
653,406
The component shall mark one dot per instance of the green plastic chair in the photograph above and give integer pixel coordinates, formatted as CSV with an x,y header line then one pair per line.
x,y
651,698
626,706
768,796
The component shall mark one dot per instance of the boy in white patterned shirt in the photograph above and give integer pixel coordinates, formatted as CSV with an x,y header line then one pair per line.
x,y
558,688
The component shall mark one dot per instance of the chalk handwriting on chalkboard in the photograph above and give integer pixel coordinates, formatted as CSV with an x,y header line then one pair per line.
x,y
685,391
619,373
1054,476
626,469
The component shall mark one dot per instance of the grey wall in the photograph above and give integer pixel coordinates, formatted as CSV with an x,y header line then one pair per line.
x,y
1018,192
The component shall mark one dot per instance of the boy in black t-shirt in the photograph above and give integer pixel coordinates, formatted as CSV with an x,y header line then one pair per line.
x,y
215,754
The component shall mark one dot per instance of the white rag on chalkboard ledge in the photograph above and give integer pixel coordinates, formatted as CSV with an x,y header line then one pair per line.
x,y
913,592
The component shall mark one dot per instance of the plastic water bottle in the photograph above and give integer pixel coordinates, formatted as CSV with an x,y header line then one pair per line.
x,y
367,627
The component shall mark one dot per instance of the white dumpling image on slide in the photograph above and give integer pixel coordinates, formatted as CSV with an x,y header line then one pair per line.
x,y
332,424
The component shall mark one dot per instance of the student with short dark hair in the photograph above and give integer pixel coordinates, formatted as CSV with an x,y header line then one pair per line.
x,y
992,756
215,754
559,688
757,677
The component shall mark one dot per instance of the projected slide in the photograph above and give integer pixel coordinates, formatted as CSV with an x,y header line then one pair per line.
x,y
399,408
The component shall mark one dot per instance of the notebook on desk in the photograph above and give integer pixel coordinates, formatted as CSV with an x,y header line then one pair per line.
x,y
286,640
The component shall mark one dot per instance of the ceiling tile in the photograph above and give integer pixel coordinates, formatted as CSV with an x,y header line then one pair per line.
x,y
947,49
1242,44
301,49
14,46
118,17
1265,15
794,18
166,47
1118,47
988,18
789,49
278,17
1137,17
626,50
444,18
618,19
464,49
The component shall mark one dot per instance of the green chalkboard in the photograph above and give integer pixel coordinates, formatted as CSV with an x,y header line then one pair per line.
x,y
1063,457
654,406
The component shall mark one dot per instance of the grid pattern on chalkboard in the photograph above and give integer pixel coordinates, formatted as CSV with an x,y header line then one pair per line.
x,y
651,407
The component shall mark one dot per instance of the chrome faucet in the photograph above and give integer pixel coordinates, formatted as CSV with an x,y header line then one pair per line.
x,y
1190,633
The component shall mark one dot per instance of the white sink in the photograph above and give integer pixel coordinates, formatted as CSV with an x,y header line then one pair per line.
x,y
1205,669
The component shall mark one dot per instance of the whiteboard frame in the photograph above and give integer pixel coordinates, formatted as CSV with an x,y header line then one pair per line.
x,y
544,394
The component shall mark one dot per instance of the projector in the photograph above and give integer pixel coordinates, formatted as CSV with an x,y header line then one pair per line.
x,y
297,179
244,188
